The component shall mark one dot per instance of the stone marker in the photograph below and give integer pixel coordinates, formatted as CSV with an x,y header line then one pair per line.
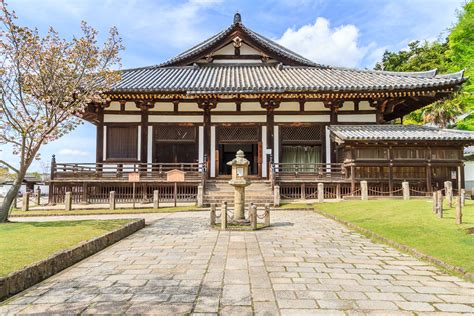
x,y
239,181
448,186
38,196
112,200
200,195
253,218
156,199
364,191
68,201
320,192
440,203
276,195
224,216
458,210
435,202
25,205
406,190
213,214
267,215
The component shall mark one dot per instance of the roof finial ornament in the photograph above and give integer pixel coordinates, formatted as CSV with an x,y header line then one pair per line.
x,y
237,18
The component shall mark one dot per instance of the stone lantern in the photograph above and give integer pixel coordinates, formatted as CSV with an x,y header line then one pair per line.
x,y
240,170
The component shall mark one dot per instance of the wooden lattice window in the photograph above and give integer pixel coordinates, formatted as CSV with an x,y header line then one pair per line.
x,y
237,134
175,134
122,142
301,134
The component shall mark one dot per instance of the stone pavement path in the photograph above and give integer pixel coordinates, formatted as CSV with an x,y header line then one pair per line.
x,y
304,264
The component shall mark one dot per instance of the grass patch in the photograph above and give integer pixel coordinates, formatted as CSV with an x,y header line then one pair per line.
x,y
17,212
22,244
412,223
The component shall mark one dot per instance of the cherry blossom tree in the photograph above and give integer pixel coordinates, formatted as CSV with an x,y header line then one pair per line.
x,y
46,82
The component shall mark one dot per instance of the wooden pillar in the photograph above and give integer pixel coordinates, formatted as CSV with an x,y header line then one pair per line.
x,y
99,152
270,105
144,132
207,106
390,171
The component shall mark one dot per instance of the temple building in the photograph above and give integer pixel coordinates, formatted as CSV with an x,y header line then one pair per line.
x,y
299,123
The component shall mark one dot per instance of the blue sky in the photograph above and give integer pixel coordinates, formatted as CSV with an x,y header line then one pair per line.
x,y
351,33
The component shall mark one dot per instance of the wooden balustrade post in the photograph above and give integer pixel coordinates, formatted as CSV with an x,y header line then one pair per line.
x,y
267,214
320,192
253,218
458,210
68,201
25,203
224,216
85,193
38,196
364,190
276,195
112,200
156,199
175,193
440,204
213,215
303,191
406,190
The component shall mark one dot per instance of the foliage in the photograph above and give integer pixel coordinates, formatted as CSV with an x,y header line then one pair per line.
x,y
413,223
22,244
450,55
45,84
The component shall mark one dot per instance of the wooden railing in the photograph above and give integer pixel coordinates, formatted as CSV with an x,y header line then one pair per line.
x,y
120,171
281,171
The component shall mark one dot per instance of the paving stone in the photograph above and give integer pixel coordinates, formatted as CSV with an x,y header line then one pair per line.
x,y
454,308
376,305
415,306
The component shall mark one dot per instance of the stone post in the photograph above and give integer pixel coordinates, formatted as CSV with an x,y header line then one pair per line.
x,y
406,190
267,215
112,200
276,195
364,191
338,191
463,197
448,186
239,203
224,216
440,204
68,201
253,218
38,196
435,202
213,214
156,199
200,195
320,192
25,205
458,210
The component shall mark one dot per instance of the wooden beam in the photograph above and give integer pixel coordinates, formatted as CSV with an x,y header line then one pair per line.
x,y
99,151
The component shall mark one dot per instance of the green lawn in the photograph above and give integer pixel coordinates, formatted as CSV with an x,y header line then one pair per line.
x,y
413,223
17,212
22,244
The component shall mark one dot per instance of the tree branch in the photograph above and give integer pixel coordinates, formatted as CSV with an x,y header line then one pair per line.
x,y
3,162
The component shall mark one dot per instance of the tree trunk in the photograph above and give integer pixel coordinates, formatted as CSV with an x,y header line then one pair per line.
x,y
8,200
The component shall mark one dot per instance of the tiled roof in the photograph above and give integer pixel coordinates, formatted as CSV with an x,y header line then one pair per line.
x,y
244,78
398,133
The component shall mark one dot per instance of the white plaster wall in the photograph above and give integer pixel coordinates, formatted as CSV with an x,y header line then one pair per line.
x,y
163,107
130,106
301,118
213,152
276,144
238,118
225,107
149,158
175,119
264,151
347,106
365,105
359,118
114,106
251,106
201,144
314,106
118,118
469,174
288,106
139,145
188,107
104,147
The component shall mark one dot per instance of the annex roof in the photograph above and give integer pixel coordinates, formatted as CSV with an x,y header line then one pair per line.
x,y
392,132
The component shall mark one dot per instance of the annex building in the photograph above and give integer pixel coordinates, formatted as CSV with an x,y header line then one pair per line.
x,y
299,123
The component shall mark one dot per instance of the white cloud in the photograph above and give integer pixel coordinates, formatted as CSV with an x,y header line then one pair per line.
x,y
325,45
73,152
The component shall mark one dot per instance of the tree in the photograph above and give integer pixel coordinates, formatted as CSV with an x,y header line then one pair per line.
x,y
45,84
450,55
